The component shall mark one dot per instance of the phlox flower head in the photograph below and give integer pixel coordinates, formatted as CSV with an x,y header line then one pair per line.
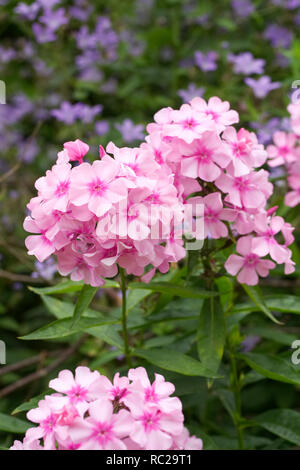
x,y
92,413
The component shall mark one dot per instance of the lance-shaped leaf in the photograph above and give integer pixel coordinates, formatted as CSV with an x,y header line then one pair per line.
x,y
283,423
272,367
171,359
256,296
211,334
86,295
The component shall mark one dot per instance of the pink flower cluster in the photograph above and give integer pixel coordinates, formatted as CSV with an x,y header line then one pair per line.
x,y
191,156
208,156
285,151
89,412
74,213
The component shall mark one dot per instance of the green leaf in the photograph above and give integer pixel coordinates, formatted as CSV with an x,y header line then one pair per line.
x,y
109,334
65,287
85,297
57,307
68,287
273,333
171,359
255,295
63,328
11,424
283,423
211,334
135,297
168,288
278,302
272,367
225,287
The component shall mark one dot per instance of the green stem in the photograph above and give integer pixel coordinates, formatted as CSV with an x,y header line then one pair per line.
x,y
124,316
236,389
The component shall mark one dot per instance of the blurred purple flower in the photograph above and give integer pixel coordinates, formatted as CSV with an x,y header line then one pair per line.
x,y
7,54
102,127
246,64
43,34
30,151
130,131
110,86
206,62
278,36
54,19
46,270
262,86
249,343
191,92
27,12
87,113
242,8
66,113
265,131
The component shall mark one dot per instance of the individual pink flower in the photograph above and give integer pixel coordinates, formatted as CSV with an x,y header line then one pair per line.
x,y
77,388
248,266
249,191
292,198
247,152
186,442
102,430
204,157
76,150
187,124
153,429
49,428
217,111
266,243
54,187
283,152
97,185
214,213
38,245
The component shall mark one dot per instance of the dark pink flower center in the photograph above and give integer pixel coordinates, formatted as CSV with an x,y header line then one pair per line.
x,y
251,260
150,421
103,433
77,393
62,188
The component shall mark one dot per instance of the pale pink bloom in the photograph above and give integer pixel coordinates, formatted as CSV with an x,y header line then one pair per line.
x,y
204,157
54,187
217,111
248,266
49,429
245,191
115,391
283,152
76,388
76,150
292,198
246,151
156,394
265,243
187,124
186,442
102,430
214,213
153,429
38,245
97,185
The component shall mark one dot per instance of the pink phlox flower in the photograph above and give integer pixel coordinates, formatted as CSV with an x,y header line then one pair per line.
x,y
283,152
76,150
265,243
248,266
